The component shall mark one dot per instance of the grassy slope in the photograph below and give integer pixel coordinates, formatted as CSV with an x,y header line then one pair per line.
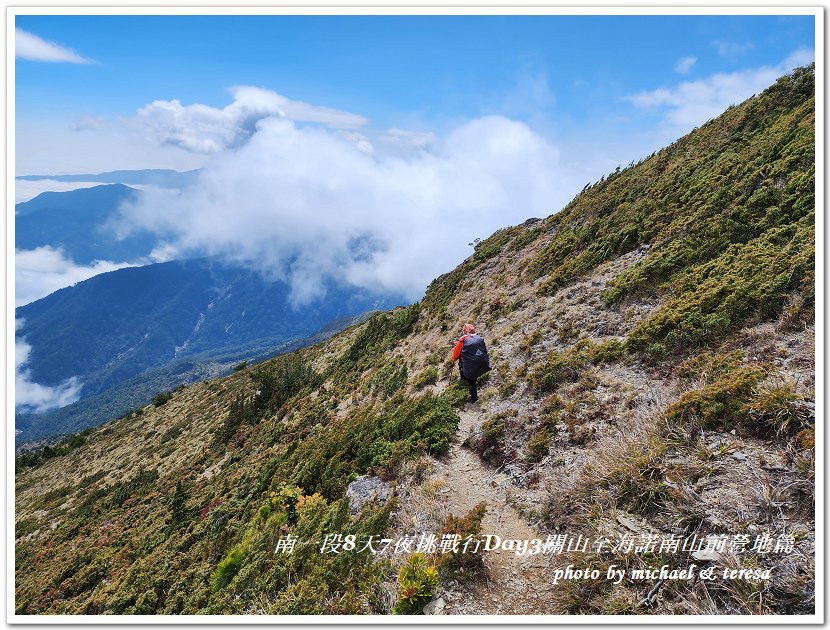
x,y
176,510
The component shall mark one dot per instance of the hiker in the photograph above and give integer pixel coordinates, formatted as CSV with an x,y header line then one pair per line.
x,y
471,353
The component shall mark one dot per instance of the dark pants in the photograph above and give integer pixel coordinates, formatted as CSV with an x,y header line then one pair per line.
x,y
471,382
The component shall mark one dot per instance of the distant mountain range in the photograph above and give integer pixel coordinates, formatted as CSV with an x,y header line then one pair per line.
x,y
135,392
118,324
164,178
75,221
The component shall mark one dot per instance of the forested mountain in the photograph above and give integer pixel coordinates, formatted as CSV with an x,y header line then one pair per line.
x,y
179,317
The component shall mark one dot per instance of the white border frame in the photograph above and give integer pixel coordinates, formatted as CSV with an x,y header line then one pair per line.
x,y
462,7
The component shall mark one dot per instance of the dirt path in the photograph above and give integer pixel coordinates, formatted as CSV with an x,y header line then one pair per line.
x,y
512,584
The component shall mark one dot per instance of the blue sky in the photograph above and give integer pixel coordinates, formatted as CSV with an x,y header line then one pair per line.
x,y
387,65
569,76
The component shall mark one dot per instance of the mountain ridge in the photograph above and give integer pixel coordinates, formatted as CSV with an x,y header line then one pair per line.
x,y
166,178
125,323
75,222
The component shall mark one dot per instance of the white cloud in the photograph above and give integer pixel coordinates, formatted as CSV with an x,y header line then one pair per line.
x,y
204,129
303,112
358,140
33,48
404,142
41,271
31,396
691,103
684,65
732,49
305,204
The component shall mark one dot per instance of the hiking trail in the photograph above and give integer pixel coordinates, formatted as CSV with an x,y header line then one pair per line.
x,y
510,584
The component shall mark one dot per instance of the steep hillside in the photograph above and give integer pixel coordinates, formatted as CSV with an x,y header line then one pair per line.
x,y
653,379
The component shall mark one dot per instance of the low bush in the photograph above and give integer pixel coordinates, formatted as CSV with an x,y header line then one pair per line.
x,y
417,583
538,445
722,405
161,398
228,568
427,376
781,411
464,529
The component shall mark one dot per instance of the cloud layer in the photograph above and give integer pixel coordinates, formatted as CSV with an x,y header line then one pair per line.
x,y
33,397
692,103
307,203
204,129
41,271
33,48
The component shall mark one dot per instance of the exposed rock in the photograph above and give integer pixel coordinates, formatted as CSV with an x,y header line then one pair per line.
x,y
499,480
435,607
367,488
706,554
629,523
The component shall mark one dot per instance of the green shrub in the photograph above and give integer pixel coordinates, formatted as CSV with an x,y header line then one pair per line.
x,y
371,438
417,583
746,282
138,484
380,333
264,512
161,398
530,340
727,212
227,568
605,352
427,376
538,445
280,379
570,365
780,410
242,410
657,351
388,379
33,459
457,392
709,366
558,368
178,511
721,405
